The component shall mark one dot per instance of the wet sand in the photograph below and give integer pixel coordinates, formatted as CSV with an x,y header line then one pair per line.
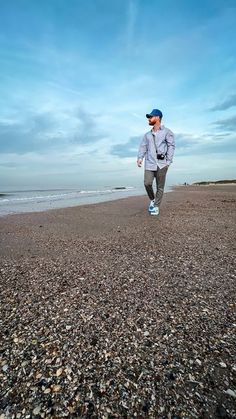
x,y
108,312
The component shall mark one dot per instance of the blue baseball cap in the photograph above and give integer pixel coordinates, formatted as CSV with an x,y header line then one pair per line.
x,y
155,112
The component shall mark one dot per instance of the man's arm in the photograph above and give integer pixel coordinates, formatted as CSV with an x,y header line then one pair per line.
x,y
142,151
170,141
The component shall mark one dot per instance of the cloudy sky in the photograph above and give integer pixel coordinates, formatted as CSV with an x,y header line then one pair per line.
x,y
77,79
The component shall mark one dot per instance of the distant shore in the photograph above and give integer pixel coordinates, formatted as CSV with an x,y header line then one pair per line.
x,y
216,182
107,311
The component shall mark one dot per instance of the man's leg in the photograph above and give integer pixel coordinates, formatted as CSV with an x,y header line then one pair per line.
x,y
160,181
148,181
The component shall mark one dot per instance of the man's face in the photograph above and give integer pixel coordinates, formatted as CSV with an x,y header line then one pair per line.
x,y
153,119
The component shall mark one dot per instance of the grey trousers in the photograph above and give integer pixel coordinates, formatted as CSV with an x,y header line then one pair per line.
x,y
160,176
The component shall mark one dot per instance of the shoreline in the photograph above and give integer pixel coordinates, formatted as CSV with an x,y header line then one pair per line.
x,y
43,206
95,219
15,214
106,310
28,205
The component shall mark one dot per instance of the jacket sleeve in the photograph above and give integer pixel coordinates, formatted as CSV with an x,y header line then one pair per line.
x,y
170,141
142,148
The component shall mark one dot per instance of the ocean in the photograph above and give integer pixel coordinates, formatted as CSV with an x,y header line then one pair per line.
x,y
15,202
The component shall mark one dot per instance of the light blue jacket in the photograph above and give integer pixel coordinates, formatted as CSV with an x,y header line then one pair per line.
x,y
164,144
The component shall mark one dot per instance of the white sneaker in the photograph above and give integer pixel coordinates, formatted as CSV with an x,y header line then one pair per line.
x,y
154,211
151,205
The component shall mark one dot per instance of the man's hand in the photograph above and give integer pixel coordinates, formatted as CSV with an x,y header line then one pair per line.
x,y
139,162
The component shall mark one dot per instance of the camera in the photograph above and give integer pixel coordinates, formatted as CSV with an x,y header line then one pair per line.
x,y
160,156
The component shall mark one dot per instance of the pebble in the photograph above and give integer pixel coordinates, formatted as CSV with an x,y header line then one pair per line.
x,y
223,365
47,391
36,410
59,372
56,388
231,393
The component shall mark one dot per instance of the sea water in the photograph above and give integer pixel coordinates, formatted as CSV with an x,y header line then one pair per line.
x,y
19,201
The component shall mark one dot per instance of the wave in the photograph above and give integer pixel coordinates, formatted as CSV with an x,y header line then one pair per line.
x,y
58,196
34,198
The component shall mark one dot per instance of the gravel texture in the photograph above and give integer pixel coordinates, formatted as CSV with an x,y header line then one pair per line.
x,y
108,312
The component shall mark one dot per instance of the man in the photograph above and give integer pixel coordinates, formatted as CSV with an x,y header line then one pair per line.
x,y
157,147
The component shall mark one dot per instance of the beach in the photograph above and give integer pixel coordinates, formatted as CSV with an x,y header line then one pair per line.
x,y
108,312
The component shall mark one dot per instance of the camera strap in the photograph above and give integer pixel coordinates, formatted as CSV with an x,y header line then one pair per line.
x,y
159,156
154,140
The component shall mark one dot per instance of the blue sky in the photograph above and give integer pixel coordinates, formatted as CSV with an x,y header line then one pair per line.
x,y
77,79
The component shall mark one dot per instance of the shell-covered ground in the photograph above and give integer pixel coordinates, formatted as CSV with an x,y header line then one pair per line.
x,y
108,312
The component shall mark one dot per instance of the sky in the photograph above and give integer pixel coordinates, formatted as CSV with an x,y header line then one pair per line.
x,y
77,79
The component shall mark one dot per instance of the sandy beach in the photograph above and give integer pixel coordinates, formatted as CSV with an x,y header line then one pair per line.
x,y
108,312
